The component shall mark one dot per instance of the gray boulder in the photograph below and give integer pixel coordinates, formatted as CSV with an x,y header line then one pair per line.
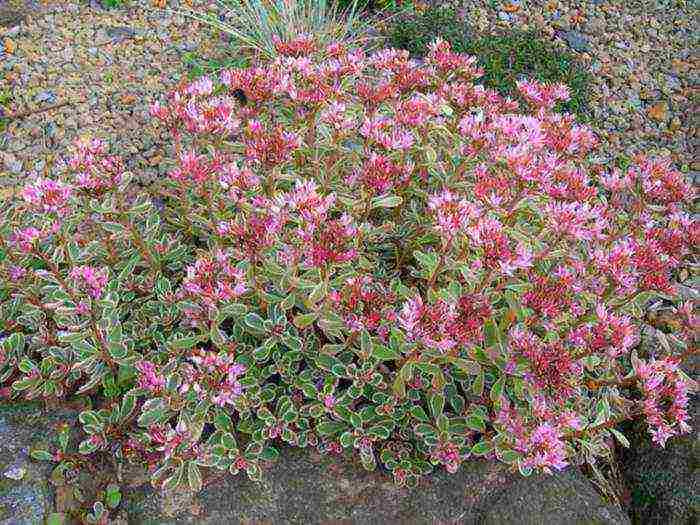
x,y
303,487
25,494
664,483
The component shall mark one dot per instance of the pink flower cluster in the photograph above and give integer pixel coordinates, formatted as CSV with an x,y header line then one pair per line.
x,y
665,400
540,442
214,375
48,196
94,170
149,378
364,303
90,279
213,279
444,325
551,369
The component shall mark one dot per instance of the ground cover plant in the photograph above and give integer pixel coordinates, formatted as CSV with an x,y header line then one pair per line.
x,y
505,58
351,253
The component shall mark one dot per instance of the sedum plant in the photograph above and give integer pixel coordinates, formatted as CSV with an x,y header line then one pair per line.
x,y
352,253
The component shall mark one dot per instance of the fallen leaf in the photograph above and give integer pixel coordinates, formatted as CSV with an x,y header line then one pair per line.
x,y
658,111
159,3
10,46
128,99
511,8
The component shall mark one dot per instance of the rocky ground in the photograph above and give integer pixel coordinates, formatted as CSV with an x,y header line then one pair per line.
x,y
644,58
104,67
75,68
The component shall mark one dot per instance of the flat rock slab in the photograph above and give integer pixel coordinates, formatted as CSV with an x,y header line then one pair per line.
x,y
664,483
25,493
304,487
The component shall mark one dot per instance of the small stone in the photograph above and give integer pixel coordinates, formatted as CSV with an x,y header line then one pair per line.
x,y
658,111
12,32
46,96
15,473
188,46
688,293
577,41
11,163
9,45
120,33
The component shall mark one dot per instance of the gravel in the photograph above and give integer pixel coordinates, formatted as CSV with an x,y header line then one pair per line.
x,y
110,65
643,56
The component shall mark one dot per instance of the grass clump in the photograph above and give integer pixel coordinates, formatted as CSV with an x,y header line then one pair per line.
x,y
259,26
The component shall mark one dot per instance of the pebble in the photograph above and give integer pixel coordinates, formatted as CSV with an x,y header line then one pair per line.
x,y
46,96
11,32
577,41
631,48
640,54
15,473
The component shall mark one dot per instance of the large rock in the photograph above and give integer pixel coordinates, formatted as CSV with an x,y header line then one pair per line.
x,y
25,494
664,483
303,487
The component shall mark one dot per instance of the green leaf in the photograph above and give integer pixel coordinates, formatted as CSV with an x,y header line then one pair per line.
x,y
466,365
385,353
330,428
482,448
419,413
319,292
229,441
14,343
112,496
87,447
117,350
222,421
89,417
379,431
56,518
620,437
602,412
427,261
423,429
184,343
269,454
113,227
127,408
27,365
194,477
389,201
254,323
478,384
176,479
41,454
493,334
436,404
497,389
292,342
304,320
477,423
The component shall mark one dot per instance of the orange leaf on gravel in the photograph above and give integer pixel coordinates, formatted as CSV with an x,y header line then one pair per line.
x,y
658,111
10,46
